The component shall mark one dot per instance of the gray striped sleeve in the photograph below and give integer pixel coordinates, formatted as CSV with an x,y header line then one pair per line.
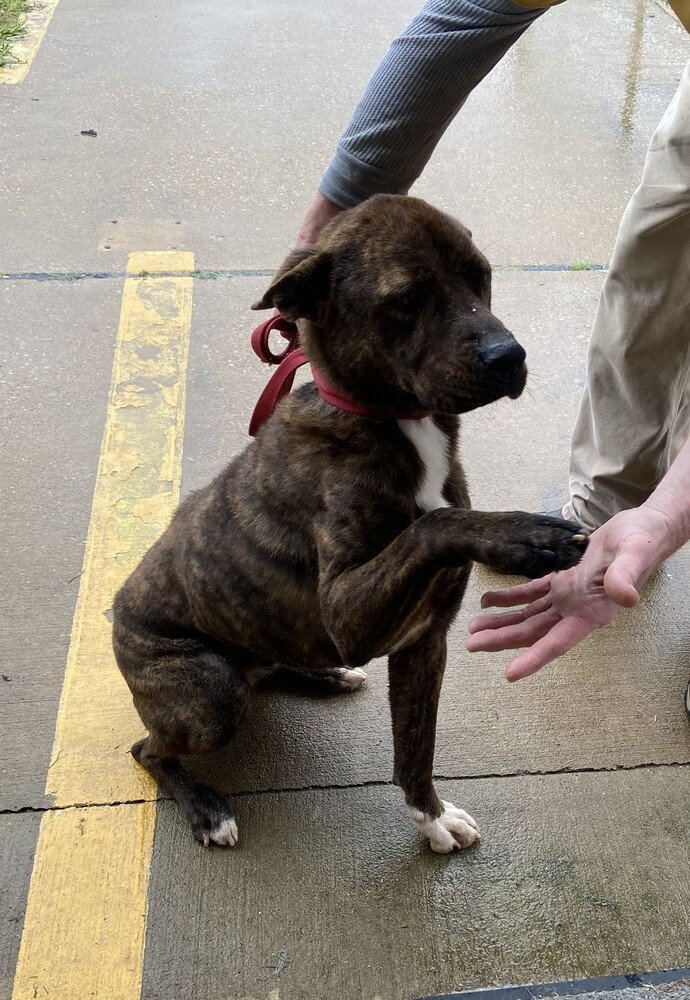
x,y
418,88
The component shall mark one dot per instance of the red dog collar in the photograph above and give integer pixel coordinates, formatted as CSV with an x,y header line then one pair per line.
x,y
288,361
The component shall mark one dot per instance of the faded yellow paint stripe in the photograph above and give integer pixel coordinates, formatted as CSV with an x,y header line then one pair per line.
x,y
136,493
24,50
86,913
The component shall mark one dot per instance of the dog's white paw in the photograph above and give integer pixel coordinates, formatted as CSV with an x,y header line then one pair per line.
x,y
225,834
454,828
352,677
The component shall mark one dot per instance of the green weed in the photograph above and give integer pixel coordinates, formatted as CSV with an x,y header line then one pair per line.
x,y
11,26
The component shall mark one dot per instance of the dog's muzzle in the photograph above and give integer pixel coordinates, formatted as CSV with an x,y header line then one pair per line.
x,y
502,355
504,361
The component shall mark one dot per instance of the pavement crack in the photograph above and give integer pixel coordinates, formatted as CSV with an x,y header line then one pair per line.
x,y
75,805
378,783
373,783
532,773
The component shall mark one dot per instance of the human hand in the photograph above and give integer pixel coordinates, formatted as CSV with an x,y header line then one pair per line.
x,y
318,215
564,608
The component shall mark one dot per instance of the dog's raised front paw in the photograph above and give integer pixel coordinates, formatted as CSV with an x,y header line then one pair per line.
x,y
533,545
454,828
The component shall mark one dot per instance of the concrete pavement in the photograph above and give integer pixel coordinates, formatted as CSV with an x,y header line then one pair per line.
x,y
213,123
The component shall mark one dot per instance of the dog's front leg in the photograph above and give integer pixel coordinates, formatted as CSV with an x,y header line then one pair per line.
x,y
376,603
415,676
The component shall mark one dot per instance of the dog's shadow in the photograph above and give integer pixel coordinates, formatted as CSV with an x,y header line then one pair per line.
x,y
294,741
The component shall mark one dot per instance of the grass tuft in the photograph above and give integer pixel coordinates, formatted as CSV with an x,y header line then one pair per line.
x,y
11,26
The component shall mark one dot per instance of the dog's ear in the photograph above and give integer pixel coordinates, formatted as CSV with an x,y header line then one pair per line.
x,y
301,284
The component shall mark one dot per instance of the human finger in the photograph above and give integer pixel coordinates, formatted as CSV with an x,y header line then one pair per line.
x,y
523,593
513,636
622,579
559,640
481,622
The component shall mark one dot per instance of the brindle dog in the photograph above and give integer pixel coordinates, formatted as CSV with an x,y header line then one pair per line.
x,y
334,538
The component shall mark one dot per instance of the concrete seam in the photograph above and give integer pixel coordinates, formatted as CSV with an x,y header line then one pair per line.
x,y
213,275
376,783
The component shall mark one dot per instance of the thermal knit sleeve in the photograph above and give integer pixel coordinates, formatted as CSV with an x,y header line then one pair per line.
x,y
416,91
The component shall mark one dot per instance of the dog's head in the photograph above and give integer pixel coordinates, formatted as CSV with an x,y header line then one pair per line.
x,y
395,301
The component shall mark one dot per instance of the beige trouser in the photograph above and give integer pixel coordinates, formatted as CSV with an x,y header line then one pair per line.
x,y
635,410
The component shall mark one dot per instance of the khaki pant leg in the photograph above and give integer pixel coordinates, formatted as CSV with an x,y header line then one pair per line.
x,y
635,407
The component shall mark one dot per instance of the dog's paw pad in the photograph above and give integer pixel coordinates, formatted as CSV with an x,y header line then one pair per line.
x,y
535,544
352,677
225,833
454,828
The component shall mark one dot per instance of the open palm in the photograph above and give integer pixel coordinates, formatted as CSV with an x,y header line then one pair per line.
x,y
564,608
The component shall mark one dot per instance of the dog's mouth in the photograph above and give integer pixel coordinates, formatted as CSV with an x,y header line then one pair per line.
x,y
480,393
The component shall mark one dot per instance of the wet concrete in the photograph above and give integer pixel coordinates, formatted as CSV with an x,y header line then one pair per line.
x,y
57,347
575,874
213,126
221,117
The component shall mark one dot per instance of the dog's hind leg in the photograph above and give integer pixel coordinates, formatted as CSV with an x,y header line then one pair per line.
x,y
191,704
333,680
209,814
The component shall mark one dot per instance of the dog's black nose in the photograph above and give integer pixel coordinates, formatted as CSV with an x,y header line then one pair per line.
x,y
503,355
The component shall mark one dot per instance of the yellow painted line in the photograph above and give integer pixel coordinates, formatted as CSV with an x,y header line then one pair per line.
x,y
136,493
86,917
24,50
86,914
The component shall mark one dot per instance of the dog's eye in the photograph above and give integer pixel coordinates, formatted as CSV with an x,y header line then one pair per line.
x,y
483,281
407,302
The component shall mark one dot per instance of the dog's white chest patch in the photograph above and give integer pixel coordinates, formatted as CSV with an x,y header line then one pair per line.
x,y
432,447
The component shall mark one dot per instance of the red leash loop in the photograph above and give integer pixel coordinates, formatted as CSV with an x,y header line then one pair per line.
x,y
261,339
288,361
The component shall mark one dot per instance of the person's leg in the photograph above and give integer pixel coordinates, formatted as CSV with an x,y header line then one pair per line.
x,y
633,409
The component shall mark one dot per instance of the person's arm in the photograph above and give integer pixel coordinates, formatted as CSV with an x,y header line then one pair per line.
x,y
419,87
563,608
